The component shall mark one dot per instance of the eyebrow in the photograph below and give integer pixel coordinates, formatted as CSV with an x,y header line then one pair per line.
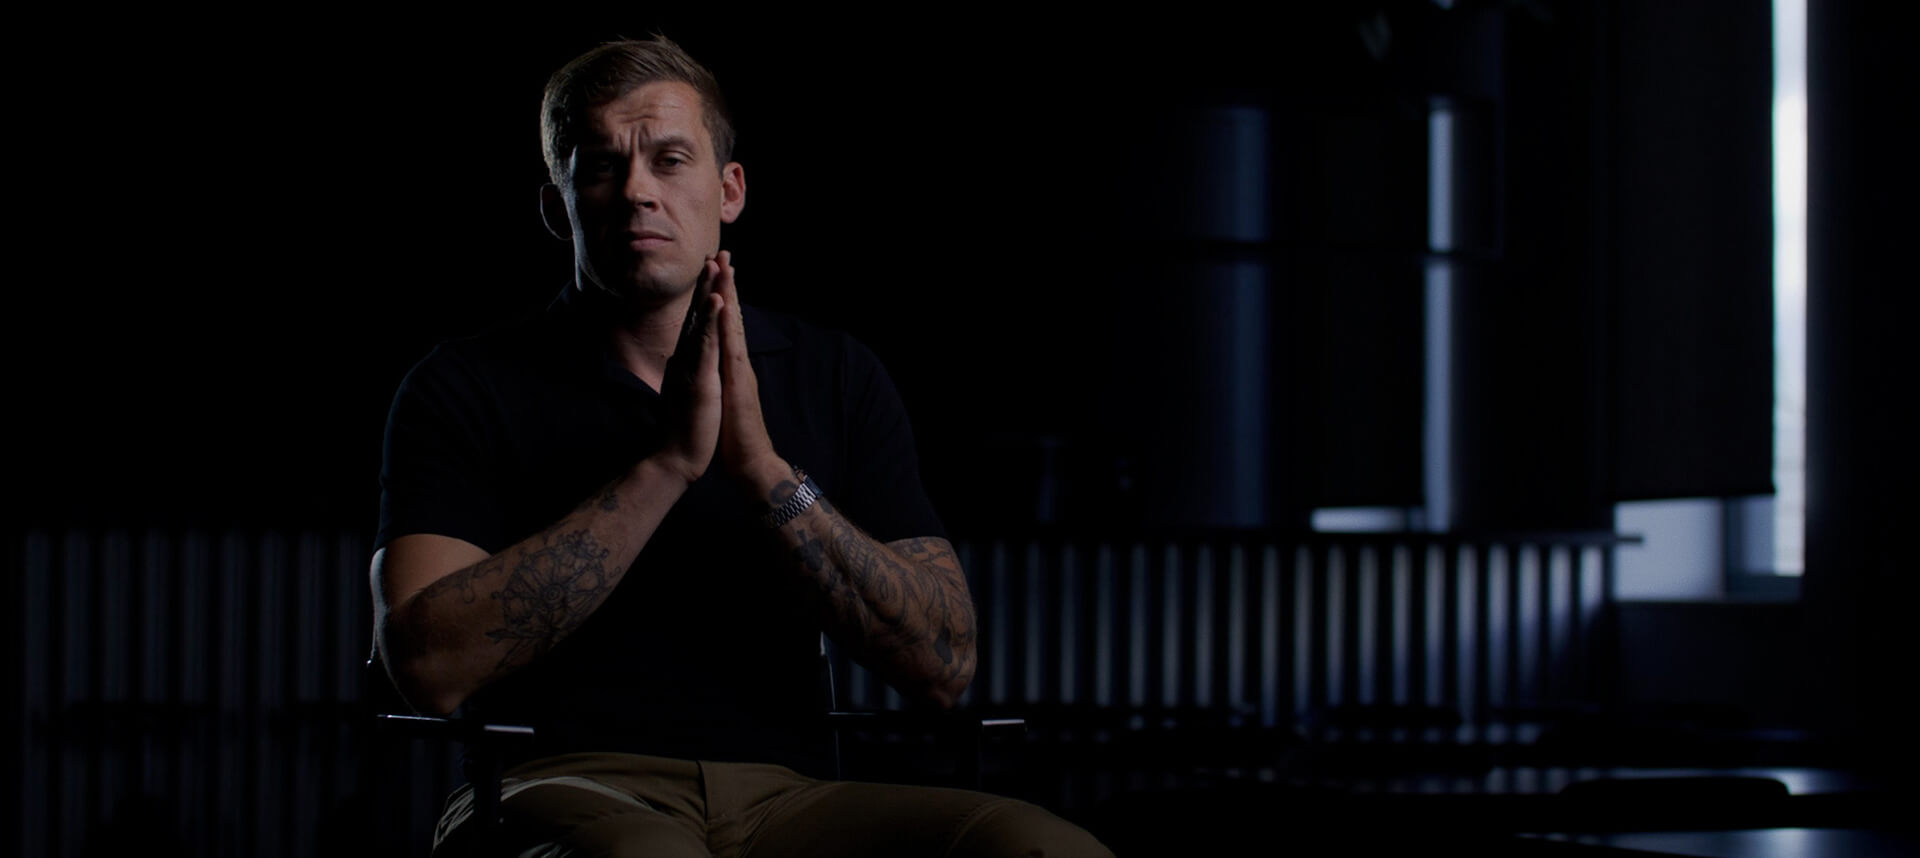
x,y
675,140
597,144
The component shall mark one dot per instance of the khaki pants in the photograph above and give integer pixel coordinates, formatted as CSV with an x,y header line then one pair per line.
x,y
622,805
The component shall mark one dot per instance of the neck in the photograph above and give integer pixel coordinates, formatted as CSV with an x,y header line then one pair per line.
x,y
643,335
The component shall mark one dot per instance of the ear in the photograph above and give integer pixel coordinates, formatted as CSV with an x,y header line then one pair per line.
x,y
553,212
733,191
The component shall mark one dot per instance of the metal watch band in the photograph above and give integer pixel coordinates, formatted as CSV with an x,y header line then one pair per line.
x,y
802,499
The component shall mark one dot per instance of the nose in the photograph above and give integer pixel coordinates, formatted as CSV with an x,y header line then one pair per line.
x,y
642,189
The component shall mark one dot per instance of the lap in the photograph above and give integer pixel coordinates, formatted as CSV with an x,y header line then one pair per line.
x,y
855,820
586,806
618,806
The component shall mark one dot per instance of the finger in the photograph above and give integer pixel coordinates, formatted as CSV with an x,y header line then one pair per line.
x,y
730,288
735,332
711,338
699,311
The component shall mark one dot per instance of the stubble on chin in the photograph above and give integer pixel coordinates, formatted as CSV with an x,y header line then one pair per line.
x,y
637,289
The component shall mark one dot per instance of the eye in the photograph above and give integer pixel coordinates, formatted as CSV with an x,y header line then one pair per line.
x,y
670,161
596,167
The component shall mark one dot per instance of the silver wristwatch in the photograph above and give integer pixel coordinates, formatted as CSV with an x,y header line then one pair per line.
x,y
795,505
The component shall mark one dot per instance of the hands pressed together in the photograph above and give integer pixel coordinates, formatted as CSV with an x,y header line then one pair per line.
x,y
711,386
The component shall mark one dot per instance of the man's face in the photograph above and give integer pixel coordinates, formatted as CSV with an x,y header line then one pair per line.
x,y
647,197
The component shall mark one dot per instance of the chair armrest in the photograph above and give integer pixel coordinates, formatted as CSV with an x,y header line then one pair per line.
x,y
458,729
484,764
915,721
966,734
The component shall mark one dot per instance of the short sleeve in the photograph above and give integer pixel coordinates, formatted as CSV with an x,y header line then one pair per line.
x,y
881,488
440,461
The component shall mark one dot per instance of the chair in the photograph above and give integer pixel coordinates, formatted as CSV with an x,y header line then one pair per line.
x,y
488,745
964,735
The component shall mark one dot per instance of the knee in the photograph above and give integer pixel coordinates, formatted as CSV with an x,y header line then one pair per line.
x,y
1017,829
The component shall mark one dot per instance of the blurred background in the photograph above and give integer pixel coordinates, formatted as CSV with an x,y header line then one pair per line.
x,y
1378,400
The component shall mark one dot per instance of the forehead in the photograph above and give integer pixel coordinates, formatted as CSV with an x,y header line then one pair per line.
x,y
649,111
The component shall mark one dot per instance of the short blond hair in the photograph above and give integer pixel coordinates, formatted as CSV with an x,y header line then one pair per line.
x,y
611,71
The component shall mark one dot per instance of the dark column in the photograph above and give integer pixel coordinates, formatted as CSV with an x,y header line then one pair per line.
x,y
1860,588
1198,360
1521,274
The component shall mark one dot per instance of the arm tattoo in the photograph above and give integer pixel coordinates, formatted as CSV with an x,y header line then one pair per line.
x,y
948,609
548,592
908,596
607,500
781,491
812,553
552,591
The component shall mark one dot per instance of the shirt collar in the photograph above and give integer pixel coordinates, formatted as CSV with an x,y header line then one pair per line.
x,y
575,308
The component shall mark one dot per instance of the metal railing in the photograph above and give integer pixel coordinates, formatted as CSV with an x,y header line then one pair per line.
x,y
205,687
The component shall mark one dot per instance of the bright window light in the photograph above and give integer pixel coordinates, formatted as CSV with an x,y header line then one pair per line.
x,y
1789,284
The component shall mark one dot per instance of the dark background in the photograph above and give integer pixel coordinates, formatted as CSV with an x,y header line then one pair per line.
x,y
234,235
244,237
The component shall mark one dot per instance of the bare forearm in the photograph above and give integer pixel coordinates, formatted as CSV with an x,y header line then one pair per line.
x,y
901,608
485,620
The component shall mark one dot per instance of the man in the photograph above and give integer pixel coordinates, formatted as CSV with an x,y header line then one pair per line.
x,y
628,521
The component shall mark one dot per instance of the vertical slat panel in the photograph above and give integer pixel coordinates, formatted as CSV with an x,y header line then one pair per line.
x,y
191,681
1105,623
1238,644
1137,619
1203,627
1559,611
1171,611
1275,678
267,638
1400,613
113,617
1522,622
1600,681
1539,630
1521,580
1033,638
1325,658
1308,689
156,605
1071,599
352,633
999,623
74,660
1494,566
36,689
1368,651
1464,612
1433,639
1595,590
302,785
1334,642
1541,606
230,657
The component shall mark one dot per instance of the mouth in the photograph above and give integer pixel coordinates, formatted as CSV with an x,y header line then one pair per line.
x,y
646,239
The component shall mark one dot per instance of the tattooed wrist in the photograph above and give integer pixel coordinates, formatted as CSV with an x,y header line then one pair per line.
x,y
789,503
781,491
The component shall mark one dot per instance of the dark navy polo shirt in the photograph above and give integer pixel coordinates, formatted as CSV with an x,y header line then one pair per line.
x,y
708,648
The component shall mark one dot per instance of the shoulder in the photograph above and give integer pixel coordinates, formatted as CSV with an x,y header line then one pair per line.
x,y
770,332
471,358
